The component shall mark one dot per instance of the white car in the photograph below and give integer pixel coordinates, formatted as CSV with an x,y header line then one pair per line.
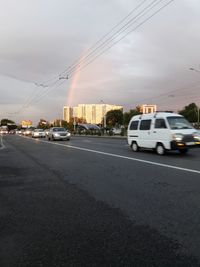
x,y
28,132
38,133
58,133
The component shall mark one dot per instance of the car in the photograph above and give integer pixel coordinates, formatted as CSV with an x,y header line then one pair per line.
x,y
162,131
58,133
46,132
38,133
12,132
18,131
3,131
116,131
28,132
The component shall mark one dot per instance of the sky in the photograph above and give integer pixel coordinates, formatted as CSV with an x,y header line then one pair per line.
x,y
41,39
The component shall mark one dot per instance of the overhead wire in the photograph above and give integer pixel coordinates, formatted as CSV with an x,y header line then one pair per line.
x,y
108,48
77,61
34,99
79,69
121,30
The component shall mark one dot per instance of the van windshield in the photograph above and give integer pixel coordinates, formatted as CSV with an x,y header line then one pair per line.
x,y
178,123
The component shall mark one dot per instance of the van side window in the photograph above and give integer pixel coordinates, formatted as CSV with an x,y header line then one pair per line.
x,y
145,124
160,124
134,125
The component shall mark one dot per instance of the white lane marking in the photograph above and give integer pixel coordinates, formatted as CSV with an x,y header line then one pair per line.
x,y
120,156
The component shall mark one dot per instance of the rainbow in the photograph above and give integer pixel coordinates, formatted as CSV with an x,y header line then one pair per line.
x,y
73,83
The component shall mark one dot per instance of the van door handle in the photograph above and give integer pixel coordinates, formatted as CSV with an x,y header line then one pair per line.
x,y
154,131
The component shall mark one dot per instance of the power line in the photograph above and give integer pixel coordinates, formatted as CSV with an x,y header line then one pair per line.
x,y
108,48
111,38
77,62
70,73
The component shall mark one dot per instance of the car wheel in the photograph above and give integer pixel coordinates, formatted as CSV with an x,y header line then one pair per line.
x,y
160,150
135,147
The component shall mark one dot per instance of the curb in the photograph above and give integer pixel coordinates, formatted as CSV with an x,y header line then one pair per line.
x,y
102,136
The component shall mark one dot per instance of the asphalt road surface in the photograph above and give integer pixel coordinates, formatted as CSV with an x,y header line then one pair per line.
x,y
94,202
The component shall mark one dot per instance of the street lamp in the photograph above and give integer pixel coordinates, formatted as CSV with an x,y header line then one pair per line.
x,y
198,110
193,69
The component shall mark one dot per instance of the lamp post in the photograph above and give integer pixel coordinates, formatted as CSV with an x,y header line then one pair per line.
x,y
196,70
198,110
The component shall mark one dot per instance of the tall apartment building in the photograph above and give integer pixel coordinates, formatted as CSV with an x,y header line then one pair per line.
x,y
92,113
67,113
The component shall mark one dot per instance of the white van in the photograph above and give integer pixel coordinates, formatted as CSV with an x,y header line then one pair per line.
x,y
162,131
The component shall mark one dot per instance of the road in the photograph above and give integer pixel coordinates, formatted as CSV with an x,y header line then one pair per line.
x,y
94,202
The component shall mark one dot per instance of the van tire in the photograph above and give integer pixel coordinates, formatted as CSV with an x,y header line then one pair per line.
x,y
160,150
135,147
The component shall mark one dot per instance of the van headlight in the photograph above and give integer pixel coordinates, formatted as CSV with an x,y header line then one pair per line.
x,y
177,137
196,136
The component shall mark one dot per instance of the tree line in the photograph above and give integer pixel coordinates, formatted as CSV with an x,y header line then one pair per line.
x,y
114,118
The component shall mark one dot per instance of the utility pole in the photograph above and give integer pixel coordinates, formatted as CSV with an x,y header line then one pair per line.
x,y
198,110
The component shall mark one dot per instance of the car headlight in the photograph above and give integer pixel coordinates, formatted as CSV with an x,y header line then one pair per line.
x,y
56,134
68,134
177,137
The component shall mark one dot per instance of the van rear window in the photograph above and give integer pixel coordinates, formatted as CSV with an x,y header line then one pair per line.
x,y
145,124
134,125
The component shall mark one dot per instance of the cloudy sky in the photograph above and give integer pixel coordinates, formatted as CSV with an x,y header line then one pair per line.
x,y
41,39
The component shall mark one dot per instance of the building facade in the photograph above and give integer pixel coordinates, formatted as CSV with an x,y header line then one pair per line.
x,y
91,113
148,108
67,113
26,123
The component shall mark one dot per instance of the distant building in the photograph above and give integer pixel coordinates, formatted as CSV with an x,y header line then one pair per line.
x,y
26,123
148,108
91,113
67,113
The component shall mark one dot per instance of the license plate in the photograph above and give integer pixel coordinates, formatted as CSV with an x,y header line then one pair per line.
x,y
190,143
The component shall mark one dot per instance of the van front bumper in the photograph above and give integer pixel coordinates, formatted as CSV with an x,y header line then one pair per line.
x,y
183,145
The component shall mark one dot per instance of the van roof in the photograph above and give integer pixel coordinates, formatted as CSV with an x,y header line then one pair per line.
x,y
155,114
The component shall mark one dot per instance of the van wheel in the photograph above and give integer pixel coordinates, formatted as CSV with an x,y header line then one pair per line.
x,y
160,150
135,147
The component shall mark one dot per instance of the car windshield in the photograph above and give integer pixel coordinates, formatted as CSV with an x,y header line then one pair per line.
x,y
59,130
178,123
39,130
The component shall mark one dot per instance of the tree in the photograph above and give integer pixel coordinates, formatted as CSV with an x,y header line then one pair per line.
x,y
43,124
9,123
5,122
114,118
128,115
190,112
